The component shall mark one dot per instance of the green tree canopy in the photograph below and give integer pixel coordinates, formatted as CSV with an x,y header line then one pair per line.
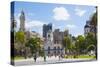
x,y
80,44
91,41
20,37
34,44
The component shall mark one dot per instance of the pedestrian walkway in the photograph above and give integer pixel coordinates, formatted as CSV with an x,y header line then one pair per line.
x,y
49,60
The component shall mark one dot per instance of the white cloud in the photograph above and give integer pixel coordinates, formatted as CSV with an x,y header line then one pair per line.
x,y
30,25
80,12
60,13
34,23
71,26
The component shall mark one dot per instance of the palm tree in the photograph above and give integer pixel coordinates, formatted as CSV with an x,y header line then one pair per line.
x,y
93,22
90,39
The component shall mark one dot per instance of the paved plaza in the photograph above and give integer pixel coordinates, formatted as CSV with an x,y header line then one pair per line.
x,y
49,60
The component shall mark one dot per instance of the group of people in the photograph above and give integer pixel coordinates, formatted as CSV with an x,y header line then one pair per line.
x,y
35,57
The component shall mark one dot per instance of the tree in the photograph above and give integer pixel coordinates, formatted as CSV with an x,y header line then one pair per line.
x,y
20,42
93,22
13,31
80,44
13,24
73,49
91,47
94,19
20,37
91,41
67,43
35,45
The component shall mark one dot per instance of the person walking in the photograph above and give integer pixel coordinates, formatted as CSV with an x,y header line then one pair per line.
x,y
35,57
44,58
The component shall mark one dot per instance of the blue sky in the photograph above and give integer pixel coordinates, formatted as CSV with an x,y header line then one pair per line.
x,y
62,16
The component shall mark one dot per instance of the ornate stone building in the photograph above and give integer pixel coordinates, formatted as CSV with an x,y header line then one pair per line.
x,y
53,41
48,45
89,28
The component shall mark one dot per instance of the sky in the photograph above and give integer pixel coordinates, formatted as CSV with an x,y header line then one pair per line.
x,y
62,16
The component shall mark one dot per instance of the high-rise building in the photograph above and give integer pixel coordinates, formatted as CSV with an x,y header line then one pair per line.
x,y
46,28
22,21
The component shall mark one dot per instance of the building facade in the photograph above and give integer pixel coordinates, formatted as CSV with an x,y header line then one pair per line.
x,y
53,41
48,45
46,28
89,28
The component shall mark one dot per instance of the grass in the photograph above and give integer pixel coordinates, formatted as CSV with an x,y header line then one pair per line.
x,y
67,57
18,58
86,56
81,56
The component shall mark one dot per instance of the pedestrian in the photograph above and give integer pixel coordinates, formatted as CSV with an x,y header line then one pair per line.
x,y
59,57
35,58
44,58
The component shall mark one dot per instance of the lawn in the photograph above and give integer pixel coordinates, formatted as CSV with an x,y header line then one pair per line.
x,y
18,58
86,56
81,56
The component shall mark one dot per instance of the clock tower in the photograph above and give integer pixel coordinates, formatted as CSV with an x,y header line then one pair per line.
x,y
22,21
